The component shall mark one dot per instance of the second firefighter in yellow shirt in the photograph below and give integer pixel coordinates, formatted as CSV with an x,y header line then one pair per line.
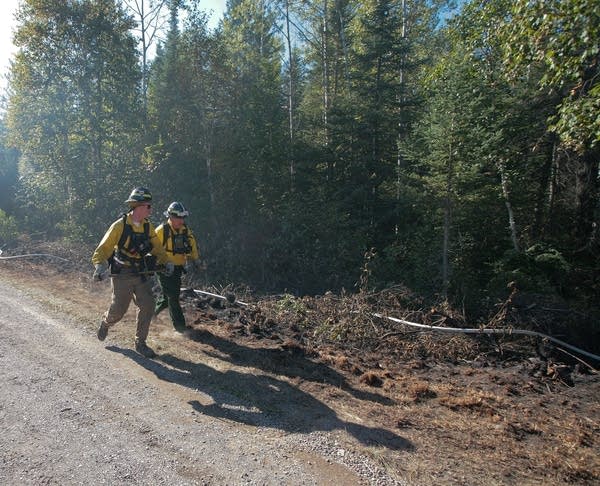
x,y
182,250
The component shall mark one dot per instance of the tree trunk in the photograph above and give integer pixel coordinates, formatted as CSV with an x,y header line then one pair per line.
x,y
290,95
344,44
506,194
401,123
586,193
446,243
545,193
150,23
447,223
324,55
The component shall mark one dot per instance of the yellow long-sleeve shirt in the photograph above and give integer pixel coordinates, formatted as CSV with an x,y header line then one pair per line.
x,y
177,259
110,241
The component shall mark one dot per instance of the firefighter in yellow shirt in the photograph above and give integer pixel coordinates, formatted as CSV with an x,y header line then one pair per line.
x,y
182,250
132,249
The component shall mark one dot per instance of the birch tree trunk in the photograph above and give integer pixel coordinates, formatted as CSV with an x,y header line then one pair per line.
x,y
150,23
325,58
447,223
401,126
325,85
506,195
290,95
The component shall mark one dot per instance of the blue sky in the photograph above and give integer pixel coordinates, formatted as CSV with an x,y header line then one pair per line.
x,y
7,9
7,23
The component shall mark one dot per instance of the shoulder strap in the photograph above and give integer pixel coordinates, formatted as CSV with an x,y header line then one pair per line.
x,y
127,230
166,231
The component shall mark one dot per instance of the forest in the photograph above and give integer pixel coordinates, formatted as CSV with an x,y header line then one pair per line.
x,y
321,145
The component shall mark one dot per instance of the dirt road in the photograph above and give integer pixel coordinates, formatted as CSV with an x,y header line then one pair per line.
x,y
76,411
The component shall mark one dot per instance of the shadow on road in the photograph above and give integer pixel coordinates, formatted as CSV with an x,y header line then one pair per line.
x,y
292,363
259,400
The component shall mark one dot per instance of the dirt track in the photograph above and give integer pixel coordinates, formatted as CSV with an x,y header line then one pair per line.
x,y
73,412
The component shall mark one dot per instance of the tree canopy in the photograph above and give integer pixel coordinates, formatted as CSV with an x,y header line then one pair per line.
x,y
318,143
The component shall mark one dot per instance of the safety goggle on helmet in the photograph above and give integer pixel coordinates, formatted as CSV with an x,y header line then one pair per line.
x,y
176,209
139,195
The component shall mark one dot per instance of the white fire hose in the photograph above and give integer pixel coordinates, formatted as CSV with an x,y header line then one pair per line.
x,y
29,255
502,331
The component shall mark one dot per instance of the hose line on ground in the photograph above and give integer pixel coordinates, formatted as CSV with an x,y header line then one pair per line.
x,y
503,331
29,255
217,296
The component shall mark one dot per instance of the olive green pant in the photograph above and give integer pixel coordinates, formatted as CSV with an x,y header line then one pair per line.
x,y
171,288
128,287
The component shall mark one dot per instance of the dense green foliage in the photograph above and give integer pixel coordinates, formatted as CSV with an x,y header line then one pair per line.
x,y
386,148
72,112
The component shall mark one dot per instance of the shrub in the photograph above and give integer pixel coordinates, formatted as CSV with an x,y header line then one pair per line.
x,y
539,269
8,228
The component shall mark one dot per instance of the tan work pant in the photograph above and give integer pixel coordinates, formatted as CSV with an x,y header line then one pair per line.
x,y
126,287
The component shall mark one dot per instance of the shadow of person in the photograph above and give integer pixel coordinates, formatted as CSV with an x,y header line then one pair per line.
x,y
288,362
261,401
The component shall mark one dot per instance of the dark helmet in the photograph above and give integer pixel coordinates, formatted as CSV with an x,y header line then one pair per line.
x,y
176,209
139,195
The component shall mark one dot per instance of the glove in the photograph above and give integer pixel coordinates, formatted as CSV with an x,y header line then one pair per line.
x,y
169,269
100,271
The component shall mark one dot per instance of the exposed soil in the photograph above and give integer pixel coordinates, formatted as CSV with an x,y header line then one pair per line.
x,y
407,407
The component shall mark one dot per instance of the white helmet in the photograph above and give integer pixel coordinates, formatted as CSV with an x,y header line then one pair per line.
x,y
176,209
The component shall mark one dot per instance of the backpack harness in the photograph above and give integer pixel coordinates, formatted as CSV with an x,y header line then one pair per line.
x,y
180,242
139,244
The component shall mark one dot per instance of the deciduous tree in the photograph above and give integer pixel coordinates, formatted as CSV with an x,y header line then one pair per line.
x,y
73,109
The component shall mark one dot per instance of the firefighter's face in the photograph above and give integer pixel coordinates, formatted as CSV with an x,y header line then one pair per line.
x,y
176,221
